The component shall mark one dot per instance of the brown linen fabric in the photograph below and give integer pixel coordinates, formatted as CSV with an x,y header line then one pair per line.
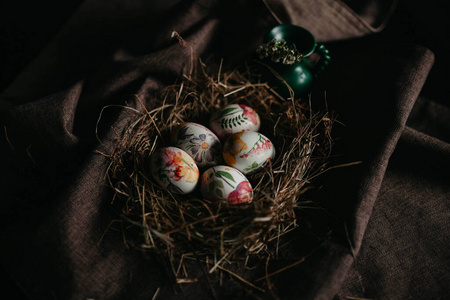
x,y
403,253
57,206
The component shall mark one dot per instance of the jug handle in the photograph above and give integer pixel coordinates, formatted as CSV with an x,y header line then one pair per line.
x,y
323,62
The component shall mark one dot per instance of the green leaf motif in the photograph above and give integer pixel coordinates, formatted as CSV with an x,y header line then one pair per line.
x,y
188,147
252,167
233,122
219,184
222,174
219,193
226,112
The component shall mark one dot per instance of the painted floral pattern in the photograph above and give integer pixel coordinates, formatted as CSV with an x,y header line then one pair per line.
x,y
200,143
234,118
242,194
247,157
233,147
250,114
226,183
175,170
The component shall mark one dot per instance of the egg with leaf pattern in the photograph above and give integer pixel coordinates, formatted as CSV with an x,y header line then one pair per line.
x,y
225,183
234,118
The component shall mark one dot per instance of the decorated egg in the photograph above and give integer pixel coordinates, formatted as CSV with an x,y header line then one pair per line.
x,y
248,151
199,142
234,118
173,169
224,183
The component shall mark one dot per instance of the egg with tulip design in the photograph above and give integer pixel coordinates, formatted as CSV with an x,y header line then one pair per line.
x,y
248,151
234,118
199,142
172,168
224,183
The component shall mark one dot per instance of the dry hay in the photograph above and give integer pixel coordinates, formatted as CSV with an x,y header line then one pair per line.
x,y
185,227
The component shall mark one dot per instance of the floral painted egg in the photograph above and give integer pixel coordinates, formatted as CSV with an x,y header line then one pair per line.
x,y
199,142
173,169
224,183
248,151
234,118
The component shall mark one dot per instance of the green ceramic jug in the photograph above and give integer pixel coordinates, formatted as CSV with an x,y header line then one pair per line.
x,y
301,74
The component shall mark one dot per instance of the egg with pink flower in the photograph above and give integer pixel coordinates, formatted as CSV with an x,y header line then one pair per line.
x,y
248,151
199,142
173,169
234,118
225,183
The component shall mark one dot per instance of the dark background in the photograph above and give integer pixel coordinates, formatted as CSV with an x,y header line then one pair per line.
x,y
27,26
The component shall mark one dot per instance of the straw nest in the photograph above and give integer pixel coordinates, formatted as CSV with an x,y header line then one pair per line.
x,y
187,226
